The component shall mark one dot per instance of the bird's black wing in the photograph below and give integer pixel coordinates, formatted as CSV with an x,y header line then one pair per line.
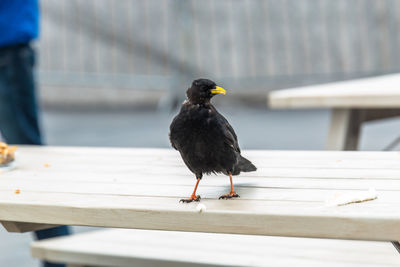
x,y
231,137
172,130
229,133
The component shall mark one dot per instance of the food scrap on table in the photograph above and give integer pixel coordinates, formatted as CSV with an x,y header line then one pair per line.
x,y
340,199
201,207
7,153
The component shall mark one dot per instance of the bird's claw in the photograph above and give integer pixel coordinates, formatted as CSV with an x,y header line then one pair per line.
x,y
188,200
230,195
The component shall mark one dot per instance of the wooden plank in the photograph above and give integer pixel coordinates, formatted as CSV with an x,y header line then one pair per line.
x,y
378,221
178,173
68,161
141,188
377,92
170,161
246,190
122,247
243,182
67,164
19,227
38,154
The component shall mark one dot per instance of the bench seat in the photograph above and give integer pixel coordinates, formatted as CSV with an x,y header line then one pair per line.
x,y
124,247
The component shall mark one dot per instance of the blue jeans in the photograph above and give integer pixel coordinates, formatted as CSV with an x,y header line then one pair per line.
x,y
19,111
18,108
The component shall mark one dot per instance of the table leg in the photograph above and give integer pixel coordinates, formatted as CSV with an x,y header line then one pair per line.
x,y
345,129
396,244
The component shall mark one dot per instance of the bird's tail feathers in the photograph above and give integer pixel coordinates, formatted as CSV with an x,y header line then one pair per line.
x,y
245,165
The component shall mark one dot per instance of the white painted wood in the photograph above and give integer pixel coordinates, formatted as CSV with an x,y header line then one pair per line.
x,y
377,92
159,248
338,129
141,188
345,129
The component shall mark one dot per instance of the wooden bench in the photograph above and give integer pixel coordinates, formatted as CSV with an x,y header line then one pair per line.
x,y
122,247
141,188
352,103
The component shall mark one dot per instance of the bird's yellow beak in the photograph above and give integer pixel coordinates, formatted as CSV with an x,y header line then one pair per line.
x,y
218,90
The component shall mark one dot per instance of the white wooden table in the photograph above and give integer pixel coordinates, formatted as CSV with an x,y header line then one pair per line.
x,y
352,103
141,188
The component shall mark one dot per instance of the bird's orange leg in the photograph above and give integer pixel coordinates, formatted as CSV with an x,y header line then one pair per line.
x,y
232,193
193,197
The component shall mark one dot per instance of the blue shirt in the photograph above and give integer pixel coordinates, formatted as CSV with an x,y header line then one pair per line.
x,y
19,21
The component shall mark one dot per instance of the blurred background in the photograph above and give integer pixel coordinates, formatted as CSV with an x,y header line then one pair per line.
x,y
113,53
114,72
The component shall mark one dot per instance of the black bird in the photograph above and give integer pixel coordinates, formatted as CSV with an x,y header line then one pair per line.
x,y
205,139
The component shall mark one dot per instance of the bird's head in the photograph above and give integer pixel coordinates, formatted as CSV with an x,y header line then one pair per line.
x,y
202,90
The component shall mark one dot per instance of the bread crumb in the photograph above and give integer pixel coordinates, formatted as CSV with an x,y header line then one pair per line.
x,y
201,207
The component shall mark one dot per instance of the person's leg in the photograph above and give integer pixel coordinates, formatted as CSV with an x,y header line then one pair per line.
x,y
49,233
18,105
19,112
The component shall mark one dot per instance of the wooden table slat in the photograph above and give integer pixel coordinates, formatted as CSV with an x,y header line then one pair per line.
x,y
376,92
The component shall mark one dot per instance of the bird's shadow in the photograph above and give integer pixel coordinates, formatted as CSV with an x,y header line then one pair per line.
x,y
243,189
